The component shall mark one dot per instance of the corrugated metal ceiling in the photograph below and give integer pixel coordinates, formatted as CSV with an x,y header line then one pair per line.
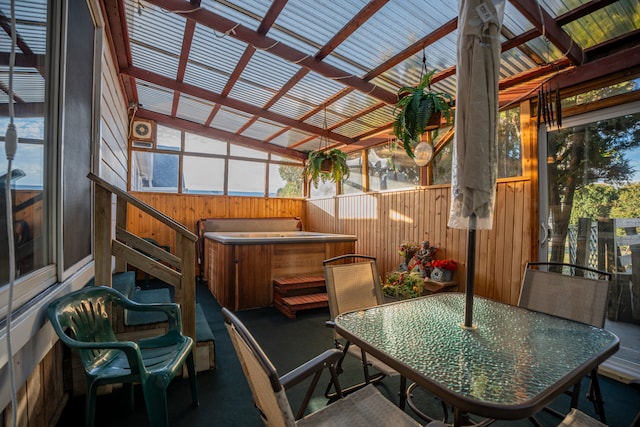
x,y
280,71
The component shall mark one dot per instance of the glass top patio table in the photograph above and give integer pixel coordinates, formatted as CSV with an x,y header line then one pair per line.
x,y
512,365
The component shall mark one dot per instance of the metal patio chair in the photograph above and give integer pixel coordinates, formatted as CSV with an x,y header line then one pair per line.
x,y
82,321
364,407
572,292
353,286
576,418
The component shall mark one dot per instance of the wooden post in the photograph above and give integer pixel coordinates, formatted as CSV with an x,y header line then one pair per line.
x,y
631,230
186,293
102,236
606,246
121,222
582,244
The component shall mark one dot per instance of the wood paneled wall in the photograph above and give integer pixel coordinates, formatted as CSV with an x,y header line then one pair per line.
x,y
41,399
188,209
382,221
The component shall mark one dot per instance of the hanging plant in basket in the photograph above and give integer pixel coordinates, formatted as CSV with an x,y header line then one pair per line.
x,y
328,165
419,109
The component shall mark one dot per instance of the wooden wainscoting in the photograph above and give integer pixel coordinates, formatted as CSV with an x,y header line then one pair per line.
x,y
187,209
382,221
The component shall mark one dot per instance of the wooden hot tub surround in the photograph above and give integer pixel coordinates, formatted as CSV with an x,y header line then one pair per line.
x,y
241,263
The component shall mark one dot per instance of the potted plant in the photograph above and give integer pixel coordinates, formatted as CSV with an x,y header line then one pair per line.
x,y
326,165
419,109
443,270
402,285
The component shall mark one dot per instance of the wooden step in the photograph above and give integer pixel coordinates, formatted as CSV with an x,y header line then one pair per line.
x,y
291,294
286,284
290,305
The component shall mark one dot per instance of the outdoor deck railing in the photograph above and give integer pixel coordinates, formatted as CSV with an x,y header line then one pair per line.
x,y
128,248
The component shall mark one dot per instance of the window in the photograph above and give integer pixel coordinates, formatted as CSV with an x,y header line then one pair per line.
x,y
285,180
50,192
390,168
154,171
27,190
203,175
210,166
246,178
353,184
200,144
509,150
441,165
509,144
324,189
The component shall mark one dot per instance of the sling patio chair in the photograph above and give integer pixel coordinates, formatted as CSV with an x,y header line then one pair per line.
x,y
354,286
572,292
82,321
367,406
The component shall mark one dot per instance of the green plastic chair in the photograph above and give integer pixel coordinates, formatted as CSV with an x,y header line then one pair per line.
x,y
82,321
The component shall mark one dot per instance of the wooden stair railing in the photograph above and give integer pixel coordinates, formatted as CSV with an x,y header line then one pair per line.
x,y
130,249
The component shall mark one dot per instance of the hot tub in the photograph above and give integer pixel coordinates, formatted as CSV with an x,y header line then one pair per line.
x,y
240,266
276,237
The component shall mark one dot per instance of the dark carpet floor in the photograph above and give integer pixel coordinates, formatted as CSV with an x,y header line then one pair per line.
x,y
225,398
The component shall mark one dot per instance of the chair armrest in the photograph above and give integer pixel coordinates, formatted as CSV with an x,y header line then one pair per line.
x,y
129,348
172,310
314,365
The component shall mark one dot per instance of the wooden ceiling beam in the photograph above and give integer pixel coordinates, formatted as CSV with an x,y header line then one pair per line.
x,y
30,60
348,29
264,27
116,28
416,47
21,44
549,28
27,109
270,17
210,132
583,10
199,92
617,62
274,47
187,39
613,45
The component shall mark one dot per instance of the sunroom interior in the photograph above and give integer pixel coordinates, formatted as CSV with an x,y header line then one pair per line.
x,y
146,119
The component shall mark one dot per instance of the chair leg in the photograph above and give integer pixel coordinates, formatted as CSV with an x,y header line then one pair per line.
x,y
128,388
403,392
155,399
369,379
575,394
595,396
308,394
418,412
191,368
90,406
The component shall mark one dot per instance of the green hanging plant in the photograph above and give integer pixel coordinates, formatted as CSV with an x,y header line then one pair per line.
x,y
419,109
326,165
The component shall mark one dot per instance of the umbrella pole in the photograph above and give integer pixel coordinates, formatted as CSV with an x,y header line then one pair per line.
x,y
471,266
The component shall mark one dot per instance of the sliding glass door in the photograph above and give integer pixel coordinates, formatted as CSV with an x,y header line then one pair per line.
x,y
589,173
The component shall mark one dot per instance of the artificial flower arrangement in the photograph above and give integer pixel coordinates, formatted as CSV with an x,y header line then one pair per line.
x,y
445,264
403,285
408,249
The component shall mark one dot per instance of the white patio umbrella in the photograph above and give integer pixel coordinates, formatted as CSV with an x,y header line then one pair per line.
x,y
474,155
